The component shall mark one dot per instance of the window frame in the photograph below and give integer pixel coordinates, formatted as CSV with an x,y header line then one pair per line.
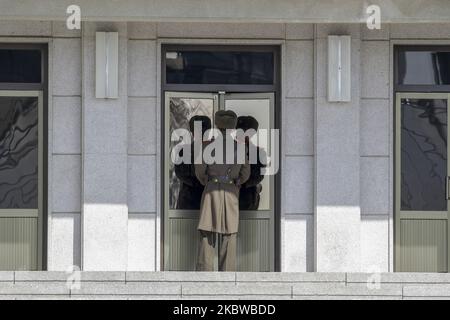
x,y
17,87
417,88
399,214
27,85
38,213
275,87
219,87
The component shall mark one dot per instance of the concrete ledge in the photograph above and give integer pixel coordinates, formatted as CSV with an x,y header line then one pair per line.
x,y
337,290
290,277
6,276
400,277
222,285
436,290
237,297
33,288
103,276
34,297
225,289
55,276
126,297
331,297
61,276
132,288
181,276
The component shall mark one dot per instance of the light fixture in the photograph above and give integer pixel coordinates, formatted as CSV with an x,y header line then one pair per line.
x,y
339,68
106,64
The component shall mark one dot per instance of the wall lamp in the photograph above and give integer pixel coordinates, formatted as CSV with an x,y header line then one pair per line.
x,y
106,65
339,68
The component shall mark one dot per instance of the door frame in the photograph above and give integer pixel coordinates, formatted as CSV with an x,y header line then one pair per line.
x,y
429,215
167,211
45,47
33,213
259,213
219,101
237,45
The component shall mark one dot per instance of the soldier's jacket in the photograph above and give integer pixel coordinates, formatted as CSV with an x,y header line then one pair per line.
x,y
249,195
219,209
191,189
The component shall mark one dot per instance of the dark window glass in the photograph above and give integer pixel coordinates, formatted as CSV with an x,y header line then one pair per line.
x,y
219,67
20,66
18,152
423,154
423,68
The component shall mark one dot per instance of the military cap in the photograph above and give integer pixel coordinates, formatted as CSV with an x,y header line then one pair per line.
x,y
206,123
247,122
225,119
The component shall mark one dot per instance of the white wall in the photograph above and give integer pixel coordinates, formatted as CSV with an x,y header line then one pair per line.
x,y
64,134
123,136
64,248
375,150
297,220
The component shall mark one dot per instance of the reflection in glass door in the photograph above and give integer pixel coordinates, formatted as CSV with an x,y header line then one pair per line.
x,y
182,109
21,180
422,182
256,224
181,188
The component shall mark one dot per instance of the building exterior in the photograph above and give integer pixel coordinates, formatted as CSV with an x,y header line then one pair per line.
x,y
344,198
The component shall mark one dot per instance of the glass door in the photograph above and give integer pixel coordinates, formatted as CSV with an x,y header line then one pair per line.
x,y
255,251
21,180
181,203
422,182
256,224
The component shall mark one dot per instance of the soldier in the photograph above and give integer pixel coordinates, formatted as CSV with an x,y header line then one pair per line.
x,y
191,189
249,196
219,210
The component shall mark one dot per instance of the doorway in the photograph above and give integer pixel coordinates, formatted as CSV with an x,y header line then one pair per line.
x,y
422,185
21,171
199,80
23,83
422,182
255,250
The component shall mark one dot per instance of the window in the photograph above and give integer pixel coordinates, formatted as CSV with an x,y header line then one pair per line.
x,y
219,67
422,66
423,154
18,152
20,66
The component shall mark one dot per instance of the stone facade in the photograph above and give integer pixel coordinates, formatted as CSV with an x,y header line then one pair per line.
x,y
104,155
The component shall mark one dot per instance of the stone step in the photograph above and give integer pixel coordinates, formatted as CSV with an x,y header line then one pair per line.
x,y
221,285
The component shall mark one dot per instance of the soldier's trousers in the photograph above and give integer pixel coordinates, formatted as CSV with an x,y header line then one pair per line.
x,y
227,251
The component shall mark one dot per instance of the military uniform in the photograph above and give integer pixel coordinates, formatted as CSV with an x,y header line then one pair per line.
x,y
191,189
219,209
249,196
